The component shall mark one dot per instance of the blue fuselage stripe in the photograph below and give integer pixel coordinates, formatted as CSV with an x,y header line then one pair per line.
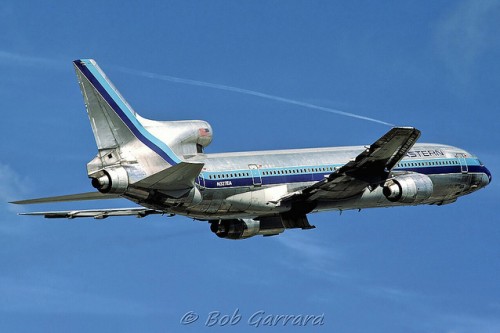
x,y
271,179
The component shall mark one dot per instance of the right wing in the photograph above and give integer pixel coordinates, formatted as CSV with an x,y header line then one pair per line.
x,y
369,168
97,213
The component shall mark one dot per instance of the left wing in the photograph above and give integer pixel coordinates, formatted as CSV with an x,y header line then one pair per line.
x,y
370,168
98,213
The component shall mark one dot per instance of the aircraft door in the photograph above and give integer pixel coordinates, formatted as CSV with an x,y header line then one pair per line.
x,y
463,163
201,181
255,172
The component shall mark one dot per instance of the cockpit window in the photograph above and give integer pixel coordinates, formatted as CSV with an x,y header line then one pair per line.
x,y
480,163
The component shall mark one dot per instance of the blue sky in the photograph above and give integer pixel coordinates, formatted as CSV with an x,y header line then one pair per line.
x,y
415,269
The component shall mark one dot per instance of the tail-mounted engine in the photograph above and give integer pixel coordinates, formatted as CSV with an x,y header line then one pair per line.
x,y
111,180
185,137
410,188
245,228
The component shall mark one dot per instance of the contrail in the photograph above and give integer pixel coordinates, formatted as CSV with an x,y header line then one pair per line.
x,y
26,60
247,92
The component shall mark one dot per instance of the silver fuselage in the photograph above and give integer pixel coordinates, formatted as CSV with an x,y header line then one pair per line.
x,y
161,165
454,172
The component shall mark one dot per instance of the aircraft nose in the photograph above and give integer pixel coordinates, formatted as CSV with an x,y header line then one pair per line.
x,y
488,173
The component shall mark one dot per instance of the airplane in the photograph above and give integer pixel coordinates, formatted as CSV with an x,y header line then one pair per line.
x,y
162,167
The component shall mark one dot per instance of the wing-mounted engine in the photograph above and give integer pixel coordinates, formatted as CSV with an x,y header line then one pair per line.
x,y
245,228
410,188
111,180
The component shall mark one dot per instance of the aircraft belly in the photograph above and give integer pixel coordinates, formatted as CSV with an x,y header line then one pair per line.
x,y
366,199
213,200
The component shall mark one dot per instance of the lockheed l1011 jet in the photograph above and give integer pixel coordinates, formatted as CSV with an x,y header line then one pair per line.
x,y
162,166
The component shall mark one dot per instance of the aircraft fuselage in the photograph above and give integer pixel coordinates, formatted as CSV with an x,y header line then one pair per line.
x,y
263,174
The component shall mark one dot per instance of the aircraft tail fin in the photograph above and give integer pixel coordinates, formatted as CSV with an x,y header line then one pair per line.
x,y
114,122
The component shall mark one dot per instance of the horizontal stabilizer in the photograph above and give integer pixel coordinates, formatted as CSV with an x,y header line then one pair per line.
x,y
97,213
178,177
66,198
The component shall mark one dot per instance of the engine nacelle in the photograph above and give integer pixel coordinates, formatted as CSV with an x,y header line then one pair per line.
x,y
111,180
410,188
245,228
185,137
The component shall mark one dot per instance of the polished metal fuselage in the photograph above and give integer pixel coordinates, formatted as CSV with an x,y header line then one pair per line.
x,y
249,184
